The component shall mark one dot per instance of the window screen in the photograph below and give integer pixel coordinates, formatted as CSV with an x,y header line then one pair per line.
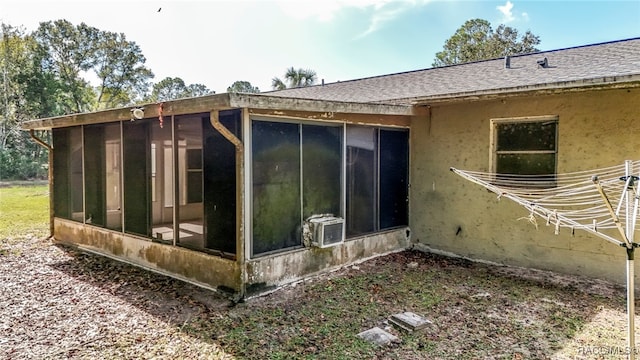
x,y
277,219
94,176
61,173
377,179
136,169
219,174
321,169
394,178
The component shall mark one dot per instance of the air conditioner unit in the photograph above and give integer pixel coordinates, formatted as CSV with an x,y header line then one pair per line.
x,y
327,231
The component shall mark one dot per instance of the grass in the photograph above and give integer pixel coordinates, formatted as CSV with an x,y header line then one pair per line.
x,y
511,318
24,210
477,310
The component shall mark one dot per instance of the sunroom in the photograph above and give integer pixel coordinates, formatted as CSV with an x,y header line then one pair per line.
x,y
233,192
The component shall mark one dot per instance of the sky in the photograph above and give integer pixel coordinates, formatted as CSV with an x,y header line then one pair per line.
x,y
216,43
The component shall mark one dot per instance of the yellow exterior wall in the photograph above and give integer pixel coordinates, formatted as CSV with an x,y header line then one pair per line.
x,y
595,129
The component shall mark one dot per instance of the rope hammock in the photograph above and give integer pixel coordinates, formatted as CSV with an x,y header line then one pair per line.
x,y
597,201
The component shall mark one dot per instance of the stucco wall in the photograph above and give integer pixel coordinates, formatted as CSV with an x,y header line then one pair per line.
x,y
271,271
595,129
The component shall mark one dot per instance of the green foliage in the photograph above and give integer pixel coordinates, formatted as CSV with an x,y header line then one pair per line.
x,y
43,76
175,88
19,165
20,157
13,65
66,53
294,78
476,40
71,51
118,64
243,87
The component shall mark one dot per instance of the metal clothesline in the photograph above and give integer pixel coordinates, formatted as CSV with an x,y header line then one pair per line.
x,y
604,202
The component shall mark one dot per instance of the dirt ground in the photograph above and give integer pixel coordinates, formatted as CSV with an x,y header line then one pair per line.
x,y
57,303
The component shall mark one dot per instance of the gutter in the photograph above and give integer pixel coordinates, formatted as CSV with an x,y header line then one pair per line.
x,y
50,176
240,241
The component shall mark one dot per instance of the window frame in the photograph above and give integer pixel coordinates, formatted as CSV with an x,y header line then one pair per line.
x,y
249,176
381,216
494,152
300,123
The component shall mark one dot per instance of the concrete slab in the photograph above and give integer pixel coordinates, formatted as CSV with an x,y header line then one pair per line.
x,y
409,321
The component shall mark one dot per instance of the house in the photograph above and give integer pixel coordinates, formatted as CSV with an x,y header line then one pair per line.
x,y
246,192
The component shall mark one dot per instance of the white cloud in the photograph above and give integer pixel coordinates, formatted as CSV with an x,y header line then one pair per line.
x,y
320,10
507,14
387,11
379,17
525,16
323,10
380,11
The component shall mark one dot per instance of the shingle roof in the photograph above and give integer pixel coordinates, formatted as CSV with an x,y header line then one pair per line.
x,y
611,62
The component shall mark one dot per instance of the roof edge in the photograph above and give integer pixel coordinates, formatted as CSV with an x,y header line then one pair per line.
x,y
267,102
461,64
614,82
218,102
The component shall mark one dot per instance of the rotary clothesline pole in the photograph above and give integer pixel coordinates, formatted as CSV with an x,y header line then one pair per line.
x,y
627,235
630,229
568,203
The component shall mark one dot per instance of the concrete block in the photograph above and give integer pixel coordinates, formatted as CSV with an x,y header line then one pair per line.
x,y
409,321
378,336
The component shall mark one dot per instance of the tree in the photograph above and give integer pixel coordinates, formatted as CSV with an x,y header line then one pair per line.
x,y
174,88
67,54
294,78
43,75
194,90
70,52
20,157
476,40
243,87
119,66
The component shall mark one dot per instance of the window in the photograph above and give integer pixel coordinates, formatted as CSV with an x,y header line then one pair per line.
x,y
394,178
277,218
113,191
153,181
362,177
377,179
219,176
525,146
189,206
136,173
67,173
194,176
297,173
322,170
299,170
102,176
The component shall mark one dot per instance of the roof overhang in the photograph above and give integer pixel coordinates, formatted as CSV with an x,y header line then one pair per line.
x,y
600,83
220,102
